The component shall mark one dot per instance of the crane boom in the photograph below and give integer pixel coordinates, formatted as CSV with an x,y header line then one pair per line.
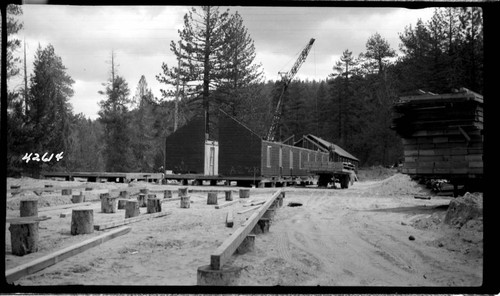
x,y
286,78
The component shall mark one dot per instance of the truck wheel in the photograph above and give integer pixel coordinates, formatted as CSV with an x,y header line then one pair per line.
x,y
323,180
344,182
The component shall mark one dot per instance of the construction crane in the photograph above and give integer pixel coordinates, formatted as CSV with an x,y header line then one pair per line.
x,y
286,78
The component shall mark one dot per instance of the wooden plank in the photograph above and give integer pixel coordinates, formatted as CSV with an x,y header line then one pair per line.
x,y
129,220
422,197
229,246
17,190
254,203
170,199
476,164
27,219
45,209
247,201
249,209
226,204
410,153
229,219
51,259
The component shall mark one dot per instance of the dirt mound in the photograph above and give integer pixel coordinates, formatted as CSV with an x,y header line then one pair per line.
x,y
375,173
400,185
463,209
461,225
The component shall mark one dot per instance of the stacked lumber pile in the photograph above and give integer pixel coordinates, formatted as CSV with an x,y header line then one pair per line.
x,y
442,134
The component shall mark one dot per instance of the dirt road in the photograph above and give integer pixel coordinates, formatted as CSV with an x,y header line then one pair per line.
x,y
343,238
373,234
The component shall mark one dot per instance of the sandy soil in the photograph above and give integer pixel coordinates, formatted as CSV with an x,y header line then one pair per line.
x,y
373,234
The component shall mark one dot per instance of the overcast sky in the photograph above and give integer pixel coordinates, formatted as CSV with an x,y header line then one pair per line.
x,y
84,36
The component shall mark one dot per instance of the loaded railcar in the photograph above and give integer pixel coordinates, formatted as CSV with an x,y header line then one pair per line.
x,y
241,155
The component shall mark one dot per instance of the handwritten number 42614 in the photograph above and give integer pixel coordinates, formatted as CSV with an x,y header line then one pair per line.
x,y
36,157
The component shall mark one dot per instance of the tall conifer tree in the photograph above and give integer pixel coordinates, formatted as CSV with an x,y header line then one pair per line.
x,y
199,50
114,117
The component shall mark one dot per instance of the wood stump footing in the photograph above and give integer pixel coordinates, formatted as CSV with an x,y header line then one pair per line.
x,y
131,209
28,207
82,221
244,193
109,204
154,205
262,226
247,245
227,276
212,198
229,195
185,202
24,237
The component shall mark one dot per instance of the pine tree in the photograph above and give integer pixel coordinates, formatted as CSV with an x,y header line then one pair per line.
x,y
240,71
14,25
378,49
343,67
115,118
48,107
17,135
145,132
85,145
199,51
472,47
444,54
415,63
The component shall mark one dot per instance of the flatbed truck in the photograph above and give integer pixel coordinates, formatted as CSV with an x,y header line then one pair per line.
x,y
330,172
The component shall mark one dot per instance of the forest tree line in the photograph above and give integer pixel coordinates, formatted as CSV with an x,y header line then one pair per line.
x,y
215,69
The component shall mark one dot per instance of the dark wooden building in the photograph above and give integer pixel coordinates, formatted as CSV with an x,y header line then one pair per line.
x,y
241,154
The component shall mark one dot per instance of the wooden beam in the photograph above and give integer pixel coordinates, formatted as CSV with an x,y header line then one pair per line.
x,y
226,204
254,203
51,259
229,246
170,199
129,220
45,209
247,201
27,219
18,190
422,197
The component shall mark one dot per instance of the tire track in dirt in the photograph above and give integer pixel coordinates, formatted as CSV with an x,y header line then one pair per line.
x,y
311,244
393,253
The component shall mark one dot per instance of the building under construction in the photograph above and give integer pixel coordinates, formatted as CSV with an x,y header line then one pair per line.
x,y
243,156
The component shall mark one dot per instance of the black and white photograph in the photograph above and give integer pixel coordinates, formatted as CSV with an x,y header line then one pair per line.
x,y
244,146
